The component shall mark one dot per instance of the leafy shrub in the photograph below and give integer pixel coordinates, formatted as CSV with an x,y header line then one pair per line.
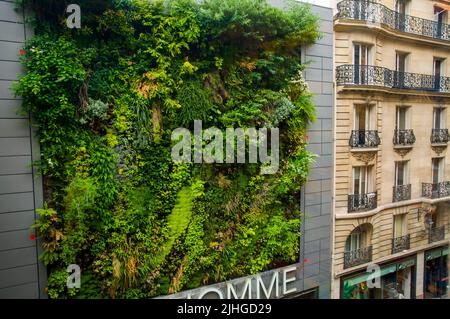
x,y
96,110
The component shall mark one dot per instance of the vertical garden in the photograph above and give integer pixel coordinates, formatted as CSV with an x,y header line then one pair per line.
x,y
106,98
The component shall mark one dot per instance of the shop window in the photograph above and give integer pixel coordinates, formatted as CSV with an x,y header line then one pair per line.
x,y
397,281
436,274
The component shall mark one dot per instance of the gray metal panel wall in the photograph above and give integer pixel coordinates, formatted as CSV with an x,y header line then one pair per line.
x,y
317,193
21,274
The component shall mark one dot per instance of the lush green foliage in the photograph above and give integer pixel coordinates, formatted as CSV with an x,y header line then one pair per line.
x,y
106,98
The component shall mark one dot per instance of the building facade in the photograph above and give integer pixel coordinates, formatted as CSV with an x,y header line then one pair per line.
x,y
392,169
23,276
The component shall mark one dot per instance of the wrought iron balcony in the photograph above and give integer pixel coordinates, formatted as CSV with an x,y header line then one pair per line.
x,y
364,139
402,192
400,244
404,138
440,136
373,12
362,202
436,234
437,190
357,257
370,75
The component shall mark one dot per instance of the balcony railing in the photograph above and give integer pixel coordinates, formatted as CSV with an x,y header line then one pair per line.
x,y
362,202
436,190
372,12
364,139
357,257
440,136
402,192
400,244
404,138
370,75
436,234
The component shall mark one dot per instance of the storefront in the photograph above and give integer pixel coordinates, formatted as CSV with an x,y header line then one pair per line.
x,y
436,282
397,281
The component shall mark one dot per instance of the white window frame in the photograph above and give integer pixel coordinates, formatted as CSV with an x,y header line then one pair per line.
x,y
407,117
442,117
366,174
397,60
407,6
403,225
368,116
442,66
440,169
405,172
357,240
368,49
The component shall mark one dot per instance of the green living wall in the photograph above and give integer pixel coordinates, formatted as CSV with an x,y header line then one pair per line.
x,y
106,98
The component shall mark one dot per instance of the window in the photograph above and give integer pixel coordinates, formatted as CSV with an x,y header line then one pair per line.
x,y
362,180
441,19
361,54
437,173
439,118
361,60
437,72
363,117
401,6
358,238
400,225
402,120
400,62
400,68
401,173
437,66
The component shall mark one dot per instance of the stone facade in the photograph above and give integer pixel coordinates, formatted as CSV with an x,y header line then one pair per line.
x,y
386,65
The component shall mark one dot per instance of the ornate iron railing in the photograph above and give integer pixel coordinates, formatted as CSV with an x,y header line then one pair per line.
x,y
400,244
357,257
404,137
364,139
437,190
440,136
352,74
436,234
362,202
402,192
373,12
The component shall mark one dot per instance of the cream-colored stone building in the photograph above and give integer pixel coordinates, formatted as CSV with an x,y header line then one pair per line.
x,y
392,167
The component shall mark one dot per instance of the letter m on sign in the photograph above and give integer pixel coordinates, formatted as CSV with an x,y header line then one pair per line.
x,y
267,292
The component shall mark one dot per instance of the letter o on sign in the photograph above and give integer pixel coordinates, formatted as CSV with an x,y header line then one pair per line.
x,y
211,290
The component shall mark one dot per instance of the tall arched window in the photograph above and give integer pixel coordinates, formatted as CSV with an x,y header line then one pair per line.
x,y
358,249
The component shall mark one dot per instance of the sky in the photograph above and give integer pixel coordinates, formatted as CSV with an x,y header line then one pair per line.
x,y
323,3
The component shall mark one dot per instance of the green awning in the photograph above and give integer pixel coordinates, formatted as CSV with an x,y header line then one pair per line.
x,y
406,264
434,254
